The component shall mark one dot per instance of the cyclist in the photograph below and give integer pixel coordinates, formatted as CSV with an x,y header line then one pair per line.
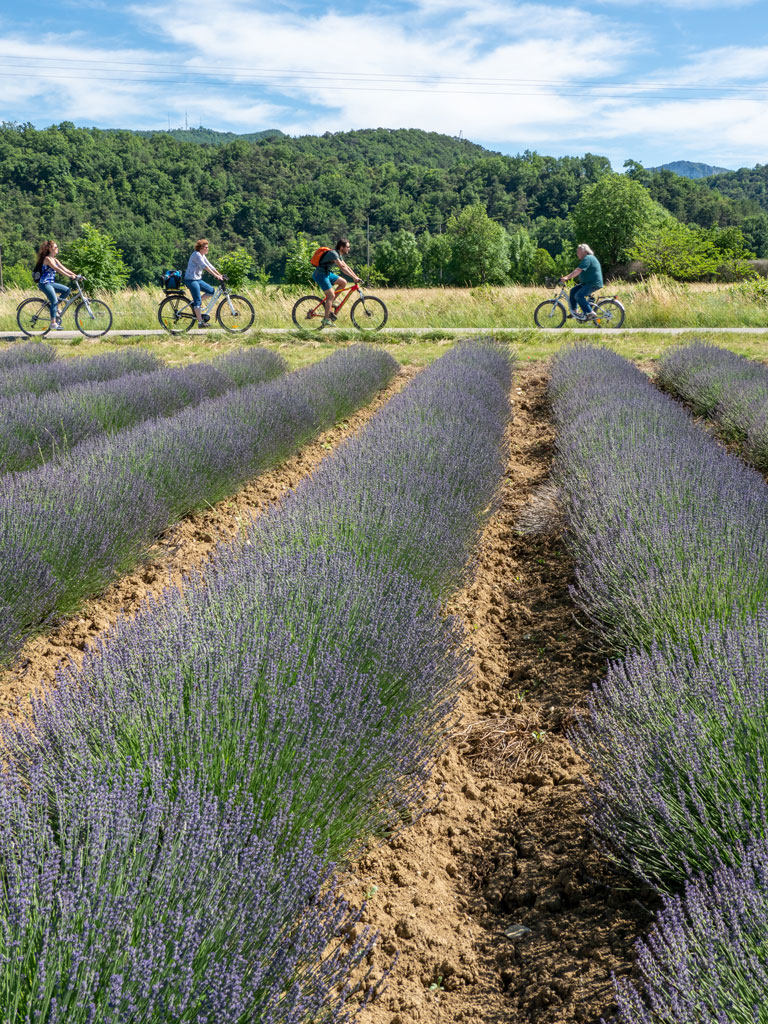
x,y
193,277
325,278
46,268
590,275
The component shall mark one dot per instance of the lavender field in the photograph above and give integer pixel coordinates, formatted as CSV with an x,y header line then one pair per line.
x,y
177,810
668,533
174,810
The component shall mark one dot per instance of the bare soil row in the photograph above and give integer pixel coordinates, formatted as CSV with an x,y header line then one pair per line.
x,y
496,905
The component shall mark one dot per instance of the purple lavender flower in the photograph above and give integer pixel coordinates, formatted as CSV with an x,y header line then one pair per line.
x,y
678,747
34,428
28,352
98,507
123,901
668,530
39,377
167,824
705,960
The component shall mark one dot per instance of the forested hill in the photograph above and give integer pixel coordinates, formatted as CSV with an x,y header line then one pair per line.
x,y
156,193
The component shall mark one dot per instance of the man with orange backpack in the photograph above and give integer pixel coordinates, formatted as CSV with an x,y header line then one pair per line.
x,y
323,260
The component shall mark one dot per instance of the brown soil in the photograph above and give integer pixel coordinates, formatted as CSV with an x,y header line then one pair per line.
x,y
497,905
185,546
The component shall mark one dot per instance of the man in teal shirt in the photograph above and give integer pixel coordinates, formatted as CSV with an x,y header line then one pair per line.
x,y
590,275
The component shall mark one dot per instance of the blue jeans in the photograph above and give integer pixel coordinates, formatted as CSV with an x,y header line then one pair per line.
x,y
50,292
196,287
579,294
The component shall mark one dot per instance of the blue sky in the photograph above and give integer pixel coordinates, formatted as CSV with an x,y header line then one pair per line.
x,y
686,79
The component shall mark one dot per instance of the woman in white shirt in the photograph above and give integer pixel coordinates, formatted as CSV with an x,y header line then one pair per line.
x,y
193,277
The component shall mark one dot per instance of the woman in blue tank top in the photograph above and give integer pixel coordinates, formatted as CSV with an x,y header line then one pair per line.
x,y
46,268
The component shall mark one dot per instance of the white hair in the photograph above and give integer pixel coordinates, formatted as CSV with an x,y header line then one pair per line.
x,y
586,248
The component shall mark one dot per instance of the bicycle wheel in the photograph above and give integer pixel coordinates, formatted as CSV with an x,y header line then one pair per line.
x,y
176,314
609,313
549,314
34,317
369,314
235,314
308,313
93,318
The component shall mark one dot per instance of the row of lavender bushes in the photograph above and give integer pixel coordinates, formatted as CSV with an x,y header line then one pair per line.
x,y
67,528
28,352
724,386
670,542
36,377
190,787
34,428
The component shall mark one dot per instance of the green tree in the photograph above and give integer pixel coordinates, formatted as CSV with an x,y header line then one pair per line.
x,y
522,256
17,275
612,214
435,258
236,266
693,254
298,269
95,255
398,260
479,248
543,267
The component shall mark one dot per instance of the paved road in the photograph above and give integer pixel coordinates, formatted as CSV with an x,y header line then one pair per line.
x,y
16,335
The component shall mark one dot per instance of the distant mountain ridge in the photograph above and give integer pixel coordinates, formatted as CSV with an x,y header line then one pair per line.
x,y
689,169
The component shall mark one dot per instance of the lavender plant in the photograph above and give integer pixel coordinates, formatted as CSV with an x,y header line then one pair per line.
x,y
300,686
123,902
98,508
737,390
34,428
28,352
38,377
705,959
668,530
678,747
300,619
704,375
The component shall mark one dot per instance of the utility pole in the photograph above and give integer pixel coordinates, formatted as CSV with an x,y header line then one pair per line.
x,y
368,242
1,269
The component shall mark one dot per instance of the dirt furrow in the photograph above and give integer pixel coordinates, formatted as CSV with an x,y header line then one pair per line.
x,y
187,545
496,904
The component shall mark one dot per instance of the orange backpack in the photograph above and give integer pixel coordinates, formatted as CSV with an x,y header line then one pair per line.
x,y
318,254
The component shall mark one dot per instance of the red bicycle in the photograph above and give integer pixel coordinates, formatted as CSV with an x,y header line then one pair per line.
x,y
367,313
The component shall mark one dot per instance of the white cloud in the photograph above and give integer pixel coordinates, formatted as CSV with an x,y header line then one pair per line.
x,y
516,74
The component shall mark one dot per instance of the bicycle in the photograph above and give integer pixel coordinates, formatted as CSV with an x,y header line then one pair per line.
x,y
367,313
234,313
608,312
92,316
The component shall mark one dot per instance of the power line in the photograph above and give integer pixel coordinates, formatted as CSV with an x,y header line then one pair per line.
x,y
379,82
607,91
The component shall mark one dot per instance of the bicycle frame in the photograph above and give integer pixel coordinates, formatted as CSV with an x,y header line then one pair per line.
x,y
592,299
80,294
353,286
221,289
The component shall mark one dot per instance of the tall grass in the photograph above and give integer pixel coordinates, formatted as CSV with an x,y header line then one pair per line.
x,y
654,303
